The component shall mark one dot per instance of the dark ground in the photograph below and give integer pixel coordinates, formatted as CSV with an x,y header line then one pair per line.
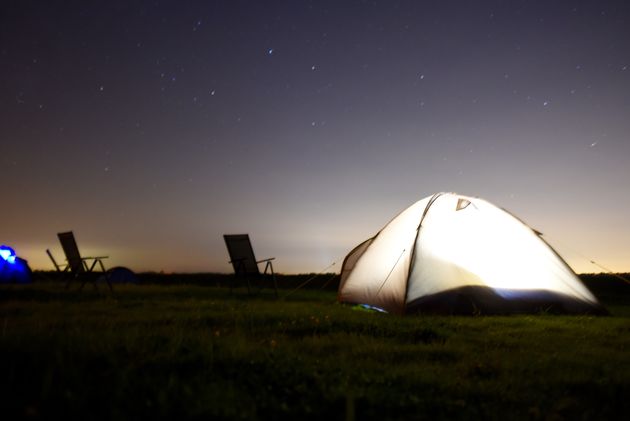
x,y
184,346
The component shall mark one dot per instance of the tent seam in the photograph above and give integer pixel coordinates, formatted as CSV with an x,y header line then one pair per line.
x,y
413,246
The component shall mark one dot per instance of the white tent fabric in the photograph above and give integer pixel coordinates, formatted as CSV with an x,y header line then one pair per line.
x,y
452,253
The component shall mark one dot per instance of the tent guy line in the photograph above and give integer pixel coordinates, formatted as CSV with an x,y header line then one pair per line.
x,y
390,272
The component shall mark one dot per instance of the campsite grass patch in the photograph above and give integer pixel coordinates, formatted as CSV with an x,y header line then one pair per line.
x,y
189,351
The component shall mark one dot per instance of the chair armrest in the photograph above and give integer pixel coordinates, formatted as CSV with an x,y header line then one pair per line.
x,y
95,260
266,260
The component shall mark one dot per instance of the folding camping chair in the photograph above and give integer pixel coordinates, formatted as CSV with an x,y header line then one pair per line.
x,y
244,262
76,266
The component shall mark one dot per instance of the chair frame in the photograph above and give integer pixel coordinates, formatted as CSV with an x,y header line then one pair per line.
x,y
239,265
78,266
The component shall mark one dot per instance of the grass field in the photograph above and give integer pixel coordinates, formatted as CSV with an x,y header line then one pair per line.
x,y
189,351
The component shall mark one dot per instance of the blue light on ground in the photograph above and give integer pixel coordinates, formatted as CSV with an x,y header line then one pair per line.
x,y
368,307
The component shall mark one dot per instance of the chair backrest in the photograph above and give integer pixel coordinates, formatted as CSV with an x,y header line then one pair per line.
x,y
71,250
241,254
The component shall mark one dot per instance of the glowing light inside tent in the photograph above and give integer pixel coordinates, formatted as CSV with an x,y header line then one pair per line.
x,y
467,242
484,245
8,254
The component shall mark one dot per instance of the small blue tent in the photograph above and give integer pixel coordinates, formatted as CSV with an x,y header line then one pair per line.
x,y
120,275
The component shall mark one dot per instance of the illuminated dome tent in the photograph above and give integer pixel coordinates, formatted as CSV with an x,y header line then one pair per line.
x,y
12,268
452,254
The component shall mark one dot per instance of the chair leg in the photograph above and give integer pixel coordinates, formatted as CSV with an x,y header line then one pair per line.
x,y
239,274
273,275
91,272
83,282
106,274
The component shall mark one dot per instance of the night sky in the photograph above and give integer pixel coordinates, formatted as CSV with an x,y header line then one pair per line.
x,y
151,129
